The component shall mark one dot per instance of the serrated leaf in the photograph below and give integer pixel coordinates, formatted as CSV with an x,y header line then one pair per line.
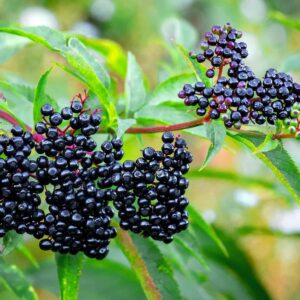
x,y
278,160
135,92
198,224
10,45
94,76
168,113
123,125
50,38
69,269
216,133
78,57
153,272
158,268
168,89
40,97
115,56
16,281
71,72
268,144
84,62
198,69
285,20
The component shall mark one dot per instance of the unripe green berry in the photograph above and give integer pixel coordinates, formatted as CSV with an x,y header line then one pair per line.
x,y
294,122
297,136
237,125
294,113
292,129
192,54
296,106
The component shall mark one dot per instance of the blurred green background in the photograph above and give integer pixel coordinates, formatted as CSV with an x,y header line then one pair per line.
x,y
258,214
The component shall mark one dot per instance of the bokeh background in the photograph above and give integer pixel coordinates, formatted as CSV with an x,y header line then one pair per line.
x,y
235,192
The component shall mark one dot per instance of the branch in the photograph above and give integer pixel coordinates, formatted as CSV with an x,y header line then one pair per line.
x,y
164,128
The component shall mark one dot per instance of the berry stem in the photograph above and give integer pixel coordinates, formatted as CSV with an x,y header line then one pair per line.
x,y
6,116
220,70
164,128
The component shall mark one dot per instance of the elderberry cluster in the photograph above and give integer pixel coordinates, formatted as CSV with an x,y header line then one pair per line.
x,y
221,44
19,193
149,194
79,182
79,216
242,97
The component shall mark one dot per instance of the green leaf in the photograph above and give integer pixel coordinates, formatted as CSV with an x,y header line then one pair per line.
x,y
216,132
168,89
115,56
20,93
197,68
27,254
5,112
234,276
98,281
135,92
94,76
86,63
149,265
10,242
285,20
278,160
50,38
69,269
158,268
198,224
71,72
291,63
123,125
167,113
78,56
16,281
10,45
268,144
40,97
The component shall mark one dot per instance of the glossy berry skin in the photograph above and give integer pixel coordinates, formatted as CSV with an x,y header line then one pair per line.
x,y
79,215
149,193
19,194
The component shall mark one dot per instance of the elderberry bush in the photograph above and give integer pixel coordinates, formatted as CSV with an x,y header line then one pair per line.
x,y
149,194
79,215
240,97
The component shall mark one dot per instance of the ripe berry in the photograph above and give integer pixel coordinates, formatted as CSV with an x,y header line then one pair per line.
x,y
47,110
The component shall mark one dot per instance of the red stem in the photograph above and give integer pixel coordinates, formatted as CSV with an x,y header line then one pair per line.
x,y
164,128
